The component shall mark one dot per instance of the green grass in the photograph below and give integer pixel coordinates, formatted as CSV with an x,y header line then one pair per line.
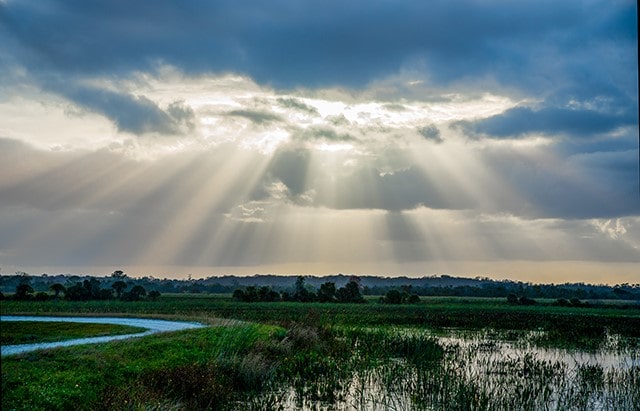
x,y
362,356
436,312
187,366
26,332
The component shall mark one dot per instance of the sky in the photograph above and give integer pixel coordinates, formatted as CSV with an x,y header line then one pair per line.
x,y
174,138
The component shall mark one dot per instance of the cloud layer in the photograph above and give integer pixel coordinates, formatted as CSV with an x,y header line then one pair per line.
x,y
227,134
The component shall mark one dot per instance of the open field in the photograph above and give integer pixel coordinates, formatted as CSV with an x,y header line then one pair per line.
x,y
444,353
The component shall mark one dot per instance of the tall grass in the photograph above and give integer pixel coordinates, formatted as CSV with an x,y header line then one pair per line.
x,y
390,369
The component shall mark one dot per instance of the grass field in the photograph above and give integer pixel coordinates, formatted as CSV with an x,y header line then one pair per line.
x,y
26,332
443,354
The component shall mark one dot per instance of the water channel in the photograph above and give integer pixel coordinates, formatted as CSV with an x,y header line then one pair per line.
x,y
153,326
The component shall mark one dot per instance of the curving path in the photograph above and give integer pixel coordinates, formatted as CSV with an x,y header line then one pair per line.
x,y
152,326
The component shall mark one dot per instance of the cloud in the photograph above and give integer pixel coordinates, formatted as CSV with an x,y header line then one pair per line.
x,y
522,121
131,113
430,132
296,104
315,115
613,229
325,43
290,167
255,116
323,134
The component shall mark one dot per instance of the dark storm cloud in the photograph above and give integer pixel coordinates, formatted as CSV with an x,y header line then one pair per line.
x,y
554,51
321,43
521,121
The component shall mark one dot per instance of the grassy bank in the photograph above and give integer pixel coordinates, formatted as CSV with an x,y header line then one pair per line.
x,y
196,368
26,332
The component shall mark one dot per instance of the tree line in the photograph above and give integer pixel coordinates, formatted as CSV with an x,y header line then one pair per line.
x,y
86,290
442,285
326,293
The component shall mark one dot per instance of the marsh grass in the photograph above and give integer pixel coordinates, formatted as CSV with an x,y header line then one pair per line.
x,y
388,368
25,332
444,354
186,369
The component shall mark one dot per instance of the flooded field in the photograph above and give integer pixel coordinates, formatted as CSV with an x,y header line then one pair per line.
x,y
467,371
446,354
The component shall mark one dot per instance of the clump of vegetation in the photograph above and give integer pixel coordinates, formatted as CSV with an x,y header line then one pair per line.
x,y
400,297
254,294
327,292
574,302
514,300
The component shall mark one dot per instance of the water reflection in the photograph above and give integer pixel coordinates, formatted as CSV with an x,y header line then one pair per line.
x,y
477,371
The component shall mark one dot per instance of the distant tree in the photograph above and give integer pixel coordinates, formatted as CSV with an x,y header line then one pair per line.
x,y
77,292
327,292
23,291
266,294
413,299
139,290
24,278
93,287
392,297
57,288
301,293
251,294
154,295
118,274
2,297
238,295
512,299
299,286
350,293
119,286
104,294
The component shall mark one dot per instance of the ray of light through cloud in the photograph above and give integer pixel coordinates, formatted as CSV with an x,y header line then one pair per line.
x,y
493,139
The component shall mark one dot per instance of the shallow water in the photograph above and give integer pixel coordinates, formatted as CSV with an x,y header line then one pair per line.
x,y
152,326
478,371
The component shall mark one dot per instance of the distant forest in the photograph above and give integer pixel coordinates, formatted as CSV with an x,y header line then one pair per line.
x,y
443,285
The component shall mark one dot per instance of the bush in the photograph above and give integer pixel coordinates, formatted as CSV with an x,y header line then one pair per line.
x,y
23,292
41,296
